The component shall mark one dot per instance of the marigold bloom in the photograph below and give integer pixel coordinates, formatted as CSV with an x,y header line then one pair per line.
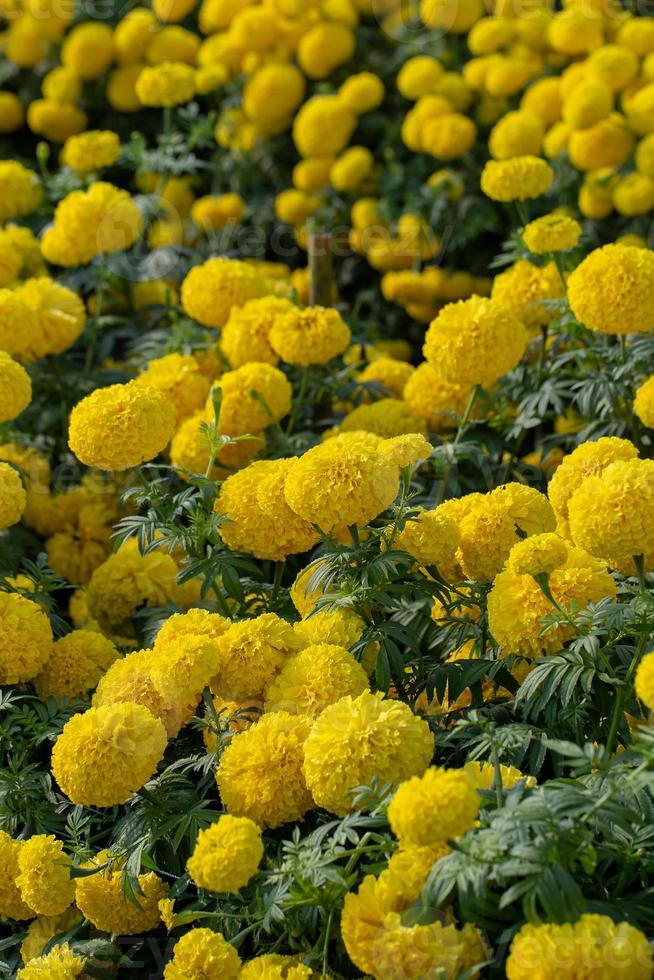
x,y
92,150
226,855
611,515
121,426
475,341
517,179
12,905
54,317
323,126
20,190
253,397
201,954
246,334
249,654
538,555
44,928
105,754
13,497
59,964
100,220
25,638
645,680
210,290
314,678
431,537
594,946
260,772
428,809
612,290
357,739
76,664
101,900
313,335
167,84
341,482
44,877
179,378
528,291
644,402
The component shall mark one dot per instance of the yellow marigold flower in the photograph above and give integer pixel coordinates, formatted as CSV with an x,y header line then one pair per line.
x,y
382,946
100,220
633,195
184,665
241,411
61,85
44,928
431,537
13,497
271,966
44,877
594,946
528,291
588,103
448,15
171,11
528,508
517,134
588,459
324,47
644,402
91,151
202,954
552,233
128,580
131,679
167,84
59,964
612,290
272,94
25,638
387,417
258,524
56,121
341,482
250,654
357,739
20,190
518,179
179,378
314,678
136,423
105,754
28,247
387,373
482,775
448,136
538,555
410,865
88,49
428,809
323,126
10,261
342,627
12,905
313,335
260,772
133,34
611,514
15,388
418,75
362,92
53,315
11,112
211,290
226,855
517,605
608,143
304,594
312,174
212,212
475,341
101,900
121,88
245,336
645,680
190,449
351,169
76,664
406,450
438,401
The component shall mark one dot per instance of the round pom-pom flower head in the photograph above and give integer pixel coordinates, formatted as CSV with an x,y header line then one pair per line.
x,y
226,854
612,290
311,336
203,955
211,290
644,402
101,900
61,963
12,496
475,341
105,754
552,233
25,638
358,739
517,179
121,426
15,388
428,809
44,877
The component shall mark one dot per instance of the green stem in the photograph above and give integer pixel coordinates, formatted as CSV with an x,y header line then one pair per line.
x,y
639,562
465,418
297,404
623,691
277,580
220,601
543,355
167,127
497,781
354,534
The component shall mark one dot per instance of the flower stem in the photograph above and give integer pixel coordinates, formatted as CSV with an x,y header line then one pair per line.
x,y
623,691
